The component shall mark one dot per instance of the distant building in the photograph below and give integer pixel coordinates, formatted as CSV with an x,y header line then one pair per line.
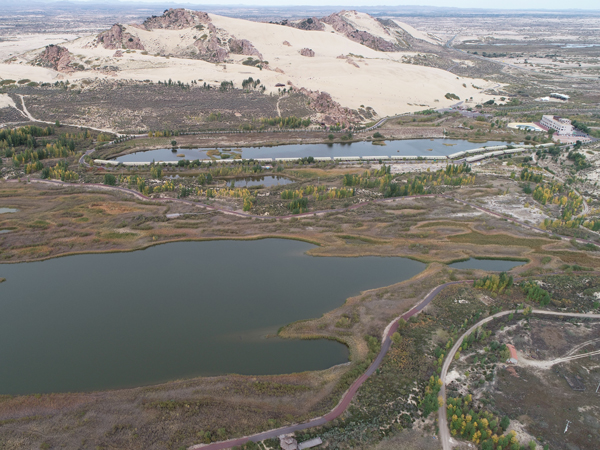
x,y
562,126
560,96
514,359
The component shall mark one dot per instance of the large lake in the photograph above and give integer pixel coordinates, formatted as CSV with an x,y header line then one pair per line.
x,y
410,147
174,311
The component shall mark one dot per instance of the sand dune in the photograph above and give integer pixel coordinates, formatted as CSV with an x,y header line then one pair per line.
x,y
353,74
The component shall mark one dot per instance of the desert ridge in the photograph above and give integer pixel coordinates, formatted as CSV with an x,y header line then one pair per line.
x,y
337,58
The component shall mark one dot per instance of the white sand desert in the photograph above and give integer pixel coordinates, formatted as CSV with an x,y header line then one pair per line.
x,y
353,74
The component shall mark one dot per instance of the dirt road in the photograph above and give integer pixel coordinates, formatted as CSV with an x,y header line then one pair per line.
x,y
442,415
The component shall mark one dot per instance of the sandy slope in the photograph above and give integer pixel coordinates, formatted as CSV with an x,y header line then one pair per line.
x,y
6,101
418,34
365,22
15,45
380,80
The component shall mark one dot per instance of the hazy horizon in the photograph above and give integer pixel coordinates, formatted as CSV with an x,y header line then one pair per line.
x,y
532,5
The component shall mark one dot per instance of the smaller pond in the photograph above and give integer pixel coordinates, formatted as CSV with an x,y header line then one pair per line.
x,y
8,210
267,181
491,265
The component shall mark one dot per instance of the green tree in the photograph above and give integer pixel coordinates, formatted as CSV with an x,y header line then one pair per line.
x,y
396,338
110,179
173,143
505,422
487,445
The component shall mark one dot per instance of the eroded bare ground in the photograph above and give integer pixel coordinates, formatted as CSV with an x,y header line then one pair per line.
x,y
537,395
544,397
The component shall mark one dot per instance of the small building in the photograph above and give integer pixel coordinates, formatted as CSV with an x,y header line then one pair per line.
x,y
287,442
310,443
514,359
562,126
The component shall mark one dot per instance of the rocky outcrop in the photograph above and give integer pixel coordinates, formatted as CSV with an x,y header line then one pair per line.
x,y
213,44
310,24
57,58
339,23
117,38
210,46
118,54
307,52
345,27
287,44
177,19
243,47
330,112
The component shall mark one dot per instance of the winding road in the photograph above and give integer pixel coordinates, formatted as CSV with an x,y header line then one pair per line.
x,y
348,395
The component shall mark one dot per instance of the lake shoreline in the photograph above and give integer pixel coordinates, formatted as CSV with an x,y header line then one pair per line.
x,y
376,145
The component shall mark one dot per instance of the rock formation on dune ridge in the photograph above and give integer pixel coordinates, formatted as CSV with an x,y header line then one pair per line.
x,y
57,58
340,24
116,38
310,24
176,19
243,47
212,44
